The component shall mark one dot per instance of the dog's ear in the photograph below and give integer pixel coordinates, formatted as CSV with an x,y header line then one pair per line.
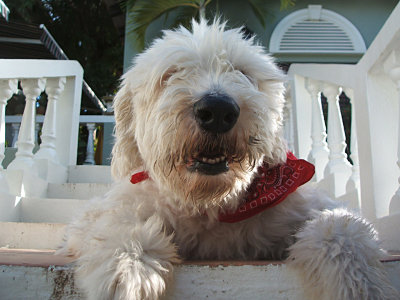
x,y
125,153
272,84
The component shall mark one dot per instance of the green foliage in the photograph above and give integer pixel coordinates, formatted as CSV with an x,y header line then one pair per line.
x,y
144,12
84,30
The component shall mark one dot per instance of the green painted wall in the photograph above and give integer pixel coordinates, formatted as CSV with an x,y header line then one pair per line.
x,y
368,16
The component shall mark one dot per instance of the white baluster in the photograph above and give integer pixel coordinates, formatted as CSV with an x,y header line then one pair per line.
x,y
14,133
26,138
90,144
7,88
392,68
54,88
319,154
338,164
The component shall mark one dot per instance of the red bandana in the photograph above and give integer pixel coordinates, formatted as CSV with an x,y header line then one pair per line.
x,y
268,189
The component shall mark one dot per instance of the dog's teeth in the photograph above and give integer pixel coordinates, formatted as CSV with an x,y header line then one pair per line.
x,y
211,161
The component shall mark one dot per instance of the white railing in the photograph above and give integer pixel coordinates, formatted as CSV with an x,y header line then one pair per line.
x,y
62,82
91,122
371,184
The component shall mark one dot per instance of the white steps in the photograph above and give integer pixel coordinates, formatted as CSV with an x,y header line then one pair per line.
x,y
39,224
47,210
89,174
41,275
245,280
77,190
19,235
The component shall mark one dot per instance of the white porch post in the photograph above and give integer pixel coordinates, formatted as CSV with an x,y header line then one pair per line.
x,y
7,89
54,88
26,138
338,164
319,154
90,144
392,68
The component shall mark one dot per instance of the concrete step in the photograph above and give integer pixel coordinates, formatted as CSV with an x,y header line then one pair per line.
x,y
31,235
37,210
77,190
33,274
89,174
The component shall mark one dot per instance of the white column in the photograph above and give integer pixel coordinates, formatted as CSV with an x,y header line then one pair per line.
x,y
392,68
26,138
338,164
54,87
7,88
319,154
90,144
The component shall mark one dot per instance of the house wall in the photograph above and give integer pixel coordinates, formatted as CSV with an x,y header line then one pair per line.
x,y
368,16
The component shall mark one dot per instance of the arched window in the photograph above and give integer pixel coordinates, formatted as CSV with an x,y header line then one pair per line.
x,y
316,30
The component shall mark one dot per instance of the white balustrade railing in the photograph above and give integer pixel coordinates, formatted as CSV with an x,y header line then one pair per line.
x,y
91,122
62,82
372,183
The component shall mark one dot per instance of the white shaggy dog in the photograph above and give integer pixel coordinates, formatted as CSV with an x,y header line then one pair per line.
x,y
198,125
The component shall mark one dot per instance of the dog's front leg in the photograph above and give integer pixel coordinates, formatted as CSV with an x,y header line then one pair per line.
x,y
337,256
125,260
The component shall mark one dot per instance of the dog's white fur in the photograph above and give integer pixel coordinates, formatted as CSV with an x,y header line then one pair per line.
x,y
127,242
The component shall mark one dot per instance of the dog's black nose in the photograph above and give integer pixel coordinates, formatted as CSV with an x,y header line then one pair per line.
x,y
216,113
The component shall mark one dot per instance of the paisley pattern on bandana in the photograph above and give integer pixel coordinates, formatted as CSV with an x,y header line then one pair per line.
x,y
271,187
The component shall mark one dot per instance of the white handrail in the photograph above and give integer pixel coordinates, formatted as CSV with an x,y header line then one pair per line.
x,y
374,94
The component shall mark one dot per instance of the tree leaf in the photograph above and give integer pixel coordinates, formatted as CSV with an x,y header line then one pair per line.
x,y
144,12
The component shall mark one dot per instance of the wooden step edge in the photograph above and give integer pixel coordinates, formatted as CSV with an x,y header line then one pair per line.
x,y
46,258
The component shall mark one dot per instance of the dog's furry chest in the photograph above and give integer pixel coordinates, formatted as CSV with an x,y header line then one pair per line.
x,y
255,238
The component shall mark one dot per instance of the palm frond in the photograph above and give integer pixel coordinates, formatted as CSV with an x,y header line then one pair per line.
x,y
144,12
183,16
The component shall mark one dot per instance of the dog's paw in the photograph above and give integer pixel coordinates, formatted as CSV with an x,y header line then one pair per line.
x,y
143,278
126,275
337,256
134,263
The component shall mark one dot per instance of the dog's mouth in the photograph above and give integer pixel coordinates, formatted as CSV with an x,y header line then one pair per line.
x,y
210,164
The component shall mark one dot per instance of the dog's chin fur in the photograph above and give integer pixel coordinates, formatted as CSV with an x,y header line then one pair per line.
x,y
127,241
